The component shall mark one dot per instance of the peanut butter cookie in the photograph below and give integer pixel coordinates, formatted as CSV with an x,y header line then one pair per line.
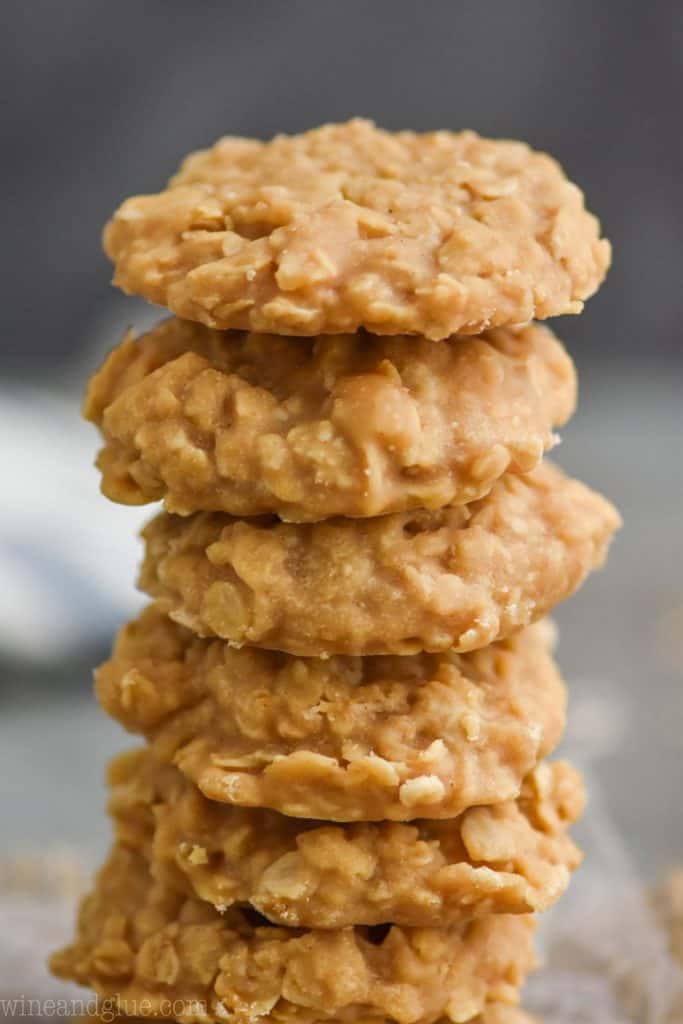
x,y
461,577
309,428
145,945
496,1013
513,857
425,735
348,227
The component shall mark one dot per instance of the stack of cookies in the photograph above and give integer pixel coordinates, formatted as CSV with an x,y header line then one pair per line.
x,y
345,679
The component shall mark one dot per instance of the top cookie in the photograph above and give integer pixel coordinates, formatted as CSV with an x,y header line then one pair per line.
x,y
348,226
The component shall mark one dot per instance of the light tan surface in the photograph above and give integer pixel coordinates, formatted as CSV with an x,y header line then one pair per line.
x,y
310,428
138,941
348,226
499,1014
667,899
459,577
514,857
342,738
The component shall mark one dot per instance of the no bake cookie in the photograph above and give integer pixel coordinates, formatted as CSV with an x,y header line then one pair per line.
x,y
348,226
496,1013
344,738
139,942
311,428
512,857
461,577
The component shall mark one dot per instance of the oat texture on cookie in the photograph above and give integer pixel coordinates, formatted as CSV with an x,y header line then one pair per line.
x,y
512,857
342,738
461,577
348,227
342,809
139,942
494,1013
343,425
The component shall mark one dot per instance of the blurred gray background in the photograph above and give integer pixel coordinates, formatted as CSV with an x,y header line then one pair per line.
x,y
101,100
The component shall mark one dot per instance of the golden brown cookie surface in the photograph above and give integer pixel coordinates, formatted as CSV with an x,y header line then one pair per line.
x,y
140,942
310,428
461,577
497,1013
515,857
342,738
348,226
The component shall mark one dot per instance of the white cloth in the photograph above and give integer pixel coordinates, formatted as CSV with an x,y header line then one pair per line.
x,y
67,556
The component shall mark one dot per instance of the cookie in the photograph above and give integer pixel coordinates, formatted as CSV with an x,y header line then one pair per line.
x,y
461,577
398,738
512,858
348,226
496,1013
142,944
310,428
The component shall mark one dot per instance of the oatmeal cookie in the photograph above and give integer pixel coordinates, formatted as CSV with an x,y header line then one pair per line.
x,y
141,942
348,227
496,1013
337,425
345,738
461,577
512,858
